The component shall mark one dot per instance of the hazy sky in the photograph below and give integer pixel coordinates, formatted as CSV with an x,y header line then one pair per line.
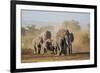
x,y
50,17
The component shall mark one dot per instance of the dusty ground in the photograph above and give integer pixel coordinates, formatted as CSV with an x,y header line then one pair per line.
x,y
44,58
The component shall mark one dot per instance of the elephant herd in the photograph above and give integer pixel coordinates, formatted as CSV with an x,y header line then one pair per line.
x,y
57,45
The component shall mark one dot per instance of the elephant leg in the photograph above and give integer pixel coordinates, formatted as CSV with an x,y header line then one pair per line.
x,y
42,50
34,51
71,49
59,51
39,51
65,52
62,51
45,50
56,50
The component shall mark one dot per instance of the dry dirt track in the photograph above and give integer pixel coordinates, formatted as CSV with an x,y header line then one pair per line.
x,y
44,58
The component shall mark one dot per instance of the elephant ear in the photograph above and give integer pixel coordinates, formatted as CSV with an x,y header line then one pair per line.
x,y
48,35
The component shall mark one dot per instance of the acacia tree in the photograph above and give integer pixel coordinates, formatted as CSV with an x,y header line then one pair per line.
x,y
71,25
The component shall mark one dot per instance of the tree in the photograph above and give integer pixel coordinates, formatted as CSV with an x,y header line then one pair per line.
x,y
72,25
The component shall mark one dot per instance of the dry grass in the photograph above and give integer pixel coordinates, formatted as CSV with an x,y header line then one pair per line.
x,y
46,58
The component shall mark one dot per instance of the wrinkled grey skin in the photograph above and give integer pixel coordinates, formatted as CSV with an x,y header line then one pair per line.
x,y
42,48
36,45
48,46
55,47
42,44
69,38
62,45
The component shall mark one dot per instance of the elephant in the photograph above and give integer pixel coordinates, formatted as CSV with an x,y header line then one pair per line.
x,y
36,45
55,47
69,38
62,46
48,46
57,44
42,43
64,43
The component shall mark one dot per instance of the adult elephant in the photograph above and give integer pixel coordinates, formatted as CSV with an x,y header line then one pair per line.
x,y
62,46
69,38
47,42
61,42
37,45
64,42
55,47
47,46
42,43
